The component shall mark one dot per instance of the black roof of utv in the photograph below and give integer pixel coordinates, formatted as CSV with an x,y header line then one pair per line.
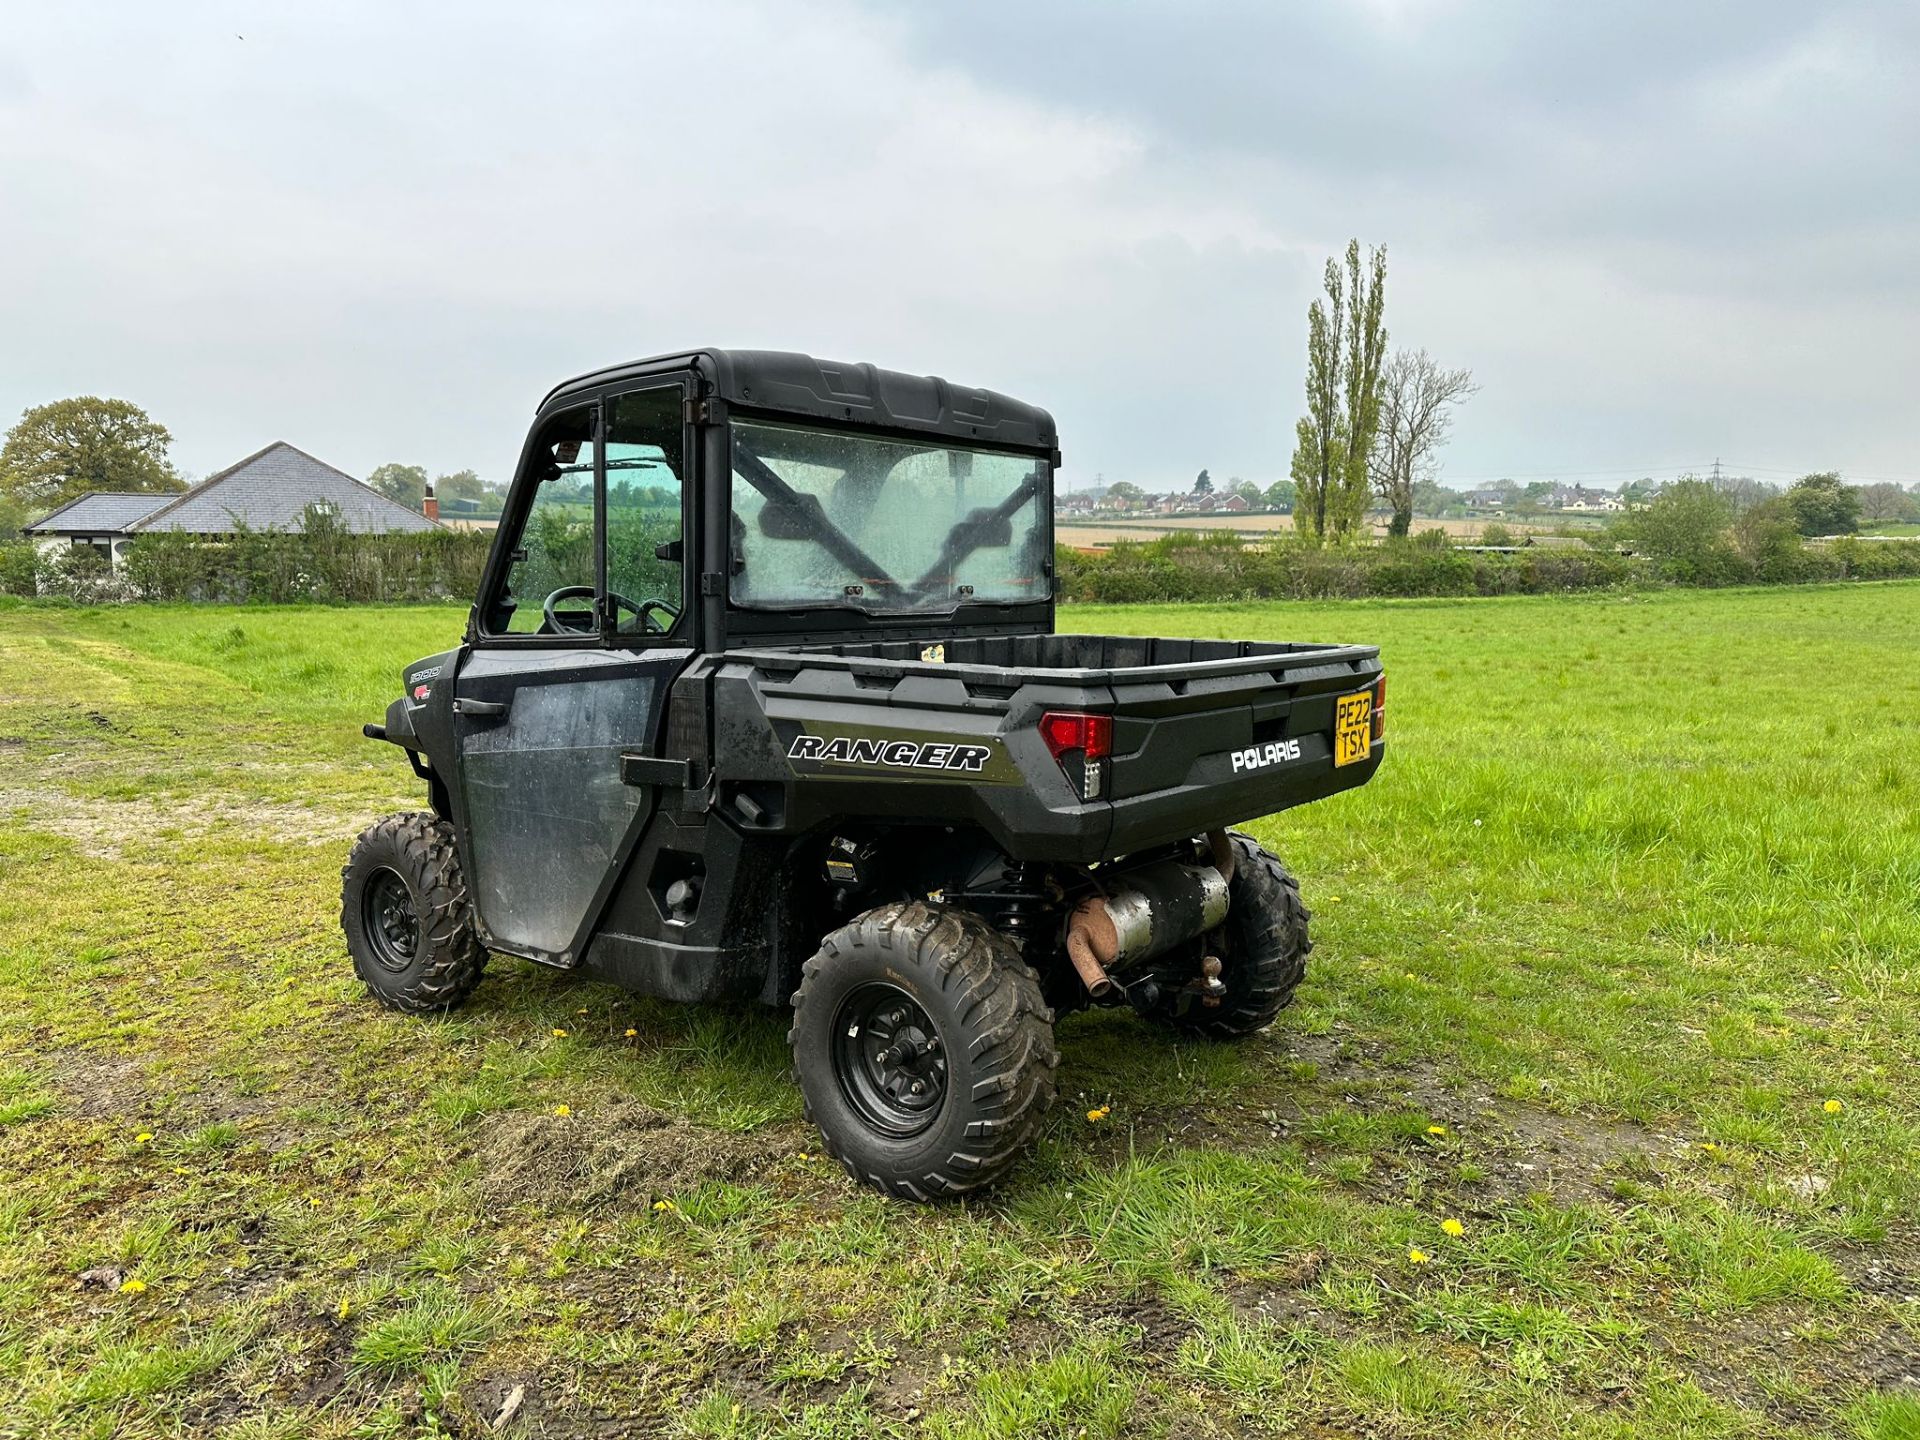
x,y
787,383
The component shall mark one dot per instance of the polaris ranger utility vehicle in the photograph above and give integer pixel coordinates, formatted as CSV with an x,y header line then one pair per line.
x,y
761,699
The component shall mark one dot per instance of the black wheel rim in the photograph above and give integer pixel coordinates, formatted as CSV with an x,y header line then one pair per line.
x,y
890,1060
389,921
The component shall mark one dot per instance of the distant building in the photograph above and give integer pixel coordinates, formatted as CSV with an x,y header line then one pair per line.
x,y
1485,499
1583,500
272,489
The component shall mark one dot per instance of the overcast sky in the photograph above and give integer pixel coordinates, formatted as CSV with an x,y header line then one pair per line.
x,y
1656,232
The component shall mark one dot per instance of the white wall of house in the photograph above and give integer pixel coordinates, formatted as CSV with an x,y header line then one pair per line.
x,y
114,545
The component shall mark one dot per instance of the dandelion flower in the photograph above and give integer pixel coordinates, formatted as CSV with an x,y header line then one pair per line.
x,y
1436,1129
346,1308
1418,1257
563,1110
1709,1147
631,1032
1453,1228
314,1200
1833,1107
132,1287
143,1137
558,1033
1099,1114
663,1205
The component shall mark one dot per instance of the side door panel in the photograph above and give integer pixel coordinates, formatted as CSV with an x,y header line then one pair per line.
x,y
549,820
542,715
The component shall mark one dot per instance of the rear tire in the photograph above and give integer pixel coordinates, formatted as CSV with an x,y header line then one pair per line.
x,y
1262,945
923,1049
404,908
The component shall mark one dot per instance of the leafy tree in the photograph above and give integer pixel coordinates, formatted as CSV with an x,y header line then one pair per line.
x,y
1432,498
1366,355
1417,399
1282,495
65,448
1203,484
1245,489
1886,501
1125,491
460,485
1681,527
1821,505
1346,342
406,484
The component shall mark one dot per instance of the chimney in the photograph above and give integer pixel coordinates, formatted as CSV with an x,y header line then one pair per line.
x,y
430,506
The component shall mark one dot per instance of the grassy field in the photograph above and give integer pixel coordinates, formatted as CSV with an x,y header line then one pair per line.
x,y
1596,1118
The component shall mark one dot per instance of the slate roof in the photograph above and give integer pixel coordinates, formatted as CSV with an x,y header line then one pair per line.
x,y
103,512
272,488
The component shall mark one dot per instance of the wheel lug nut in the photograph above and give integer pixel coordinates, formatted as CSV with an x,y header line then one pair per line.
x,y
919,1087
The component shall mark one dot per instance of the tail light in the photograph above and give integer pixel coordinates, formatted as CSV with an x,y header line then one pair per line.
x,y
1081,744
1380,708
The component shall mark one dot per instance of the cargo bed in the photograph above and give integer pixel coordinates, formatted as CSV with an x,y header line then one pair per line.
x,y
1203,733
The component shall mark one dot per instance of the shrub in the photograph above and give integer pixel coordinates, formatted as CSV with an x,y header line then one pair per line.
x,y
81,573
17,561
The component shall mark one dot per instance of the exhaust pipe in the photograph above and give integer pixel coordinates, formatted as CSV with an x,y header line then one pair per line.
x,y
1147,912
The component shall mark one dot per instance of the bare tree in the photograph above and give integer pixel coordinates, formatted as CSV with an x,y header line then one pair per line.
x,y
1884,500
1417,399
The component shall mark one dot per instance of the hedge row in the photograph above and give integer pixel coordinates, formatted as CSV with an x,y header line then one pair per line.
x,y
274,567
267,566
1221,568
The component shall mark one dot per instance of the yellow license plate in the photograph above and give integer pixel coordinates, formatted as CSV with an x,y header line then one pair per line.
x,y
1353,728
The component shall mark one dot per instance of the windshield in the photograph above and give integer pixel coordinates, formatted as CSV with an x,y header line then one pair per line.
x,y
825,517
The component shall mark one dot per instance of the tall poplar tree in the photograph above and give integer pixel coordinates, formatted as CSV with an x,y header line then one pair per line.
x,y
1346,343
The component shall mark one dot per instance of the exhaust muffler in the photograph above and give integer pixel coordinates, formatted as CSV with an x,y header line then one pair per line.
x,y
1147,912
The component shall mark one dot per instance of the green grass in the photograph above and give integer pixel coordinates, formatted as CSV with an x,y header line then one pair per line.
x,y
1636,894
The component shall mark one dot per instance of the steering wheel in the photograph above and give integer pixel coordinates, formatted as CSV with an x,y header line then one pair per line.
x,y
558,624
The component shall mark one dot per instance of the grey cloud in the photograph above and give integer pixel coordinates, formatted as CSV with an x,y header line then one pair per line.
x,y
380,232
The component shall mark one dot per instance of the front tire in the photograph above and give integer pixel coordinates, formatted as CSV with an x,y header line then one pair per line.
x,y
923,1049
1262,945
404,908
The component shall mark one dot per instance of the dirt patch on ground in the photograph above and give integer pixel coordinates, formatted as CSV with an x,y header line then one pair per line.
x,y
94,1085
1726,1355
104,828
623,1152
1527,1148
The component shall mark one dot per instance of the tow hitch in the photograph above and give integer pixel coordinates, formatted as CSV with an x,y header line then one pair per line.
x,y
1149,911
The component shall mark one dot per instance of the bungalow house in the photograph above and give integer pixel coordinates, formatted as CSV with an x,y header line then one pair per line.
x,y
1582,499
272,489
1489,499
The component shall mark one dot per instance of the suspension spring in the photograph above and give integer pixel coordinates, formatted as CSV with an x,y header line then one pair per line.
x,y
1025,906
